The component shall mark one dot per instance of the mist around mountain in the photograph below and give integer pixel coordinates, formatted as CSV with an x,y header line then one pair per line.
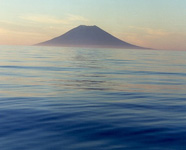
x,y
88,36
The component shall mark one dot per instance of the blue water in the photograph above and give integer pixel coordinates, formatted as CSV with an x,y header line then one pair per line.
x,y
92,99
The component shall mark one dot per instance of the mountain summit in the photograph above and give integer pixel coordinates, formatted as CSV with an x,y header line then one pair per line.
x,y
88,36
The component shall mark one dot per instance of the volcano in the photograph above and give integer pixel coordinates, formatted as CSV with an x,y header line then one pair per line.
x,y
88,36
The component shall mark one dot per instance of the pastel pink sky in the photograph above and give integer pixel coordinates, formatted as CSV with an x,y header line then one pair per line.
x,y
157,24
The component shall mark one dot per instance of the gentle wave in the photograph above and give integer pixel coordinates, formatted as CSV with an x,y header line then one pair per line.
x,y
85,99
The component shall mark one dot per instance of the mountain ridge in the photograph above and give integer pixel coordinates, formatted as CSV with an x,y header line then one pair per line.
x,y
88,36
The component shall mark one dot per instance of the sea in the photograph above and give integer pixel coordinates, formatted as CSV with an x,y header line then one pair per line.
x,y
54,98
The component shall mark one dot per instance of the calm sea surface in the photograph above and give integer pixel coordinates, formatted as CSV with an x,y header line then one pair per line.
x,y
92,99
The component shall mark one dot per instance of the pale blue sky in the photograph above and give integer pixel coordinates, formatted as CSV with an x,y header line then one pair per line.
x,y
152,23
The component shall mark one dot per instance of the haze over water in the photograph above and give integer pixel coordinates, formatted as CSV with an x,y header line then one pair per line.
x,y
92,99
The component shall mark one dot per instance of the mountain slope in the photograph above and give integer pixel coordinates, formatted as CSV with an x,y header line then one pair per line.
x,y
88,36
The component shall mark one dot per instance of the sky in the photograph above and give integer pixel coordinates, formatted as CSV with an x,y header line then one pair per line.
x,y
159,24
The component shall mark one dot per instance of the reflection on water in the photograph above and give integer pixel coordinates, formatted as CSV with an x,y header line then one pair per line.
x,y
91,99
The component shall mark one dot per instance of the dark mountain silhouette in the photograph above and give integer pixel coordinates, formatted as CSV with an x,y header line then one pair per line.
x,y
88,36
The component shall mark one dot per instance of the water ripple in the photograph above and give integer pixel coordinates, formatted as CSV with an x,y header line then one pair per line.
x,y
86,99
